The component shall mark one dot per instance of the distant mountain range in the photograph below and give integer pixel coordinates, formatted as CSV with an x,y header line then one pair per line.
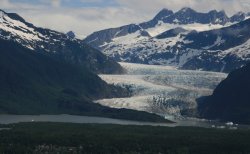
x,y
186,39
46,72
230,100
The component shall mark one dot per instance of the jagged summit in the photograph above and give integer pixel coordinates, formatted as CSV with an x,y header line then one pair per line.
x,y
163,13
186,39
184,16
13,16
238,17
240,13
188,15
186,9
222,12
71,34
2,11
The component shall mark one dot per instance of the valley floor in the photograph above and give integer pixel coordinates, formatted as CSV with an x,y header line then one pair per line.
x,y
162,90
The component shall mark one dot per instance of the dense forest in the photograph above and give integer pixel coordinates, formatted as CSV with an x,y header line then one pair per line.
x,y
115,139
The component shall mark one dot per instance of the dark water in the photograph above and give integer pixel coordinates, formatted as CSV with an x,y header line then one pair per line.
x,y
9,119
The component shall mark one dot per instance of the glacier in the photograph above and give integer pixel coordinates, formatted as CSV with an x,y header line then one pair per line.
x,y
164,90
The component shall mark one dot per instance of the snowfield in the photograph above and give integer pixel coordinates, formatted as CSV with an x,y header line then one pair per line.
x,y
18,28
162,27
162,90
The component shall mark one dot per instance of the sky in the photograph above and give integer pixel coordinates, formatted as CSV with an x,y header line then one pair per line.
x,y
86,16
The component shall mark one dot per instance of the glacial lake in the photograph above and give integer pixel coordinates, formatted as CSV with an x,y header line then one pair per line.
x,y
64,118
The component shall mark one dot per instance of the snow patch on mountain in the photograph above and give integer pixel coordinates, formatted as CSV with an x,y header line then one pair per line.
x,y
13,27
184,39
242,51
217,42
19,29
162,27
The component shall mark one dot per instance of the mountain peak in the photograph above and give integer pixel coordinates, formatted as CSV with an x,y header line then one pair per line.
x,y
16,17
165,10
213,11
240,13
2,13
239,16
222,12
71,34
163,13
186,9
13,16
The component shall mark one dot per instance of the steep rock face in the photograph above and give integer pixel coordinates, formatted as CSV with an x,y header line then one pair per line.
x,y
14,27
185,39
230,100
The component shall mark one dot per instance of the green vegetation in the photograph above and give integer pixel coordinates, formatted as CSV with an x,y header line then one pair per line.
x,y
115,139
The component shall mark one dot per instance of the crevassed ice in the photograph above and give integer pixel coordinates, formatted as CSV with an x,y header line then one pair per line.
x,y
162,90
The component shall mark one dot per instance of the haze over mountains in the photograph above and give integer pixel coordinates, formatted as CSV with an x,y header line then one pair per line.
x,y
178,39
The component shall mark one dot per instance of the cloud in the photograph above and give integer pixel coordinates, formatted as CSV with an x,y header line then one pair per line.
x,y
56,3
87,16
230,6
81,21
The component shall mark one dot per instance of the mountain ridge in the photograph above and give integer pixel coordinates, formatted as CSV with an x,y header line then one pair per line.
x,y
166,13
170,41
14,27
